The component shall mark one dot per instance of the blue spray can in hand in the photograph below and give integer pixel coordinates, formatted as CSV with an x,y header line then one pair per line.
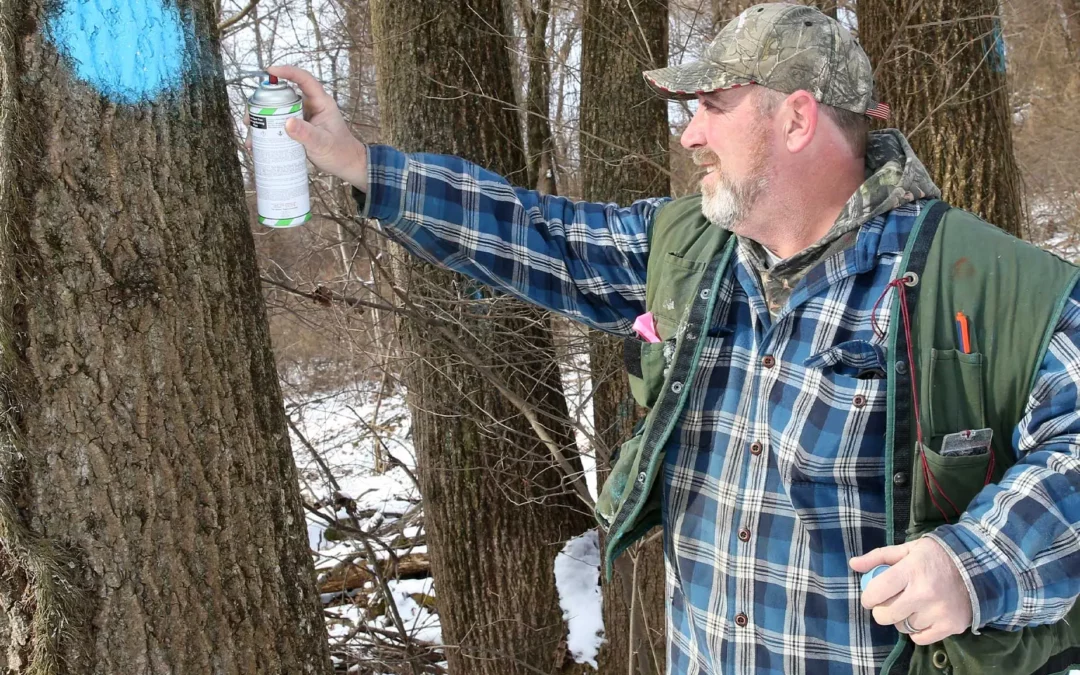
x,y
871,574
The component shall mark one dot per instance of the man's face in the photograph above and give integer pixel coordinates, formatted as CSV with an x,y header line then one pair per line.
x,y
731,141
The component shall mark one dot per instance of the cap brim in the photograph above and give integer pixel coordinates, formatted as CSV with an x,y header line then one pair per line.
x,y
690,79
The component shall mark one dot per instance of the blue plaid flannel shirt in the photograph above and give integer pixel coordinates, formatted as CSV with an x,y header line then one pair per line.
x,y
774,475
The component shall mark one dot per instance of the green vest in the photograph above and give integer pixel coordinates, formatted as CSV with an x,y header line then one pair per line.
x,y
956,262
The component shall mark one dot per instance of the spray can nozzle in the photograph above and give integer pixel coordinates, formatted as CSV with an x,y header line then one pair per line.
x,y
272,78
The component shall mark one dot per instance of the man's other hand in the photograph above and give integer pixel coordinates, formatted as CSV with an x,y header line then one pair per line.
x,y
922,585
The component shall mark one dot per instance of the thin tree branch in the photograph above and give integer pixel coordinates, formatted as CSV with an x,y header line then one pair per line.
x,y
231,21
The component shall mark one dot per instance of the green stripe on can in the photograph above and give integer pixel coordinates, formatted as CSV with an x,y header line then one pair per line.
x,y
285,222
280,111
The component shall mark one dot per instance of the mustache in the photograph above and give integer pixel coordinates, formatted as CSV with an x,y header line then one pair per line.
x,y
703,156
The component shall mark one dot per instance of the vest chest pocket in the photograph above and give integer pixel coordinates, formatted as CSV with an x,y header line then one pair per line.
x,y
956,403
655,358
956,393
679,280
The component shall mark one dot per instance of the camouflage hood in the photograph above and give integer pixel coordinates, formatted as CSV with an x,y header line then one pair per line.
x,y
895,176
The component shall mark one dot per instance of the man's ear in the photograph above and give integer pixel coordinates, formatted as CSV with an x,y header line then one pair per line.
x,y
800,119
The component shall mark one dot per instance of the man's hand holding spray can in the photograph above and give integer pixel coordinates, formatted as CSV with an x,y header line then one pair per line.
x,y
281,174
285,132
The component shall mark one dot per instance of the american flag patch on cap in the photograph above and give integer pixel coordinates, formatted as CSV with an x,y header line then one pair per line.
x,y
879,111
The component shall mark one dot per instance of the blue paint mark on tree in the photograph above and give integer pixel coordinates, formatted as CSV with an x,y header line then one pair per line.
x,y
129,50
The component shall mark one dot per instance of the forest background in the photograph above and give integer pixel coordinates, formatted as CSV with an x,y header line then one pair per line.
x,y
444,441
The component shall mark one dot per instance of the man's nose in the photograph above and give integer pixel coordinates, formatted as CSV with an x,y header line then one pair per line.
x,y
692,136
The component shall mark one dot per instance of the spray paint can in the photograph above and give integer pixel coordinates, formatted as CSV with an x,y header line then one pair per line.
x,y
869,576
281,175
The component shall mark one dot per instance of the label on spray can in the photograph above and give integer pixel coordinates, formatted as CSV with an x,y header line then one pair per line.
x,y
281,176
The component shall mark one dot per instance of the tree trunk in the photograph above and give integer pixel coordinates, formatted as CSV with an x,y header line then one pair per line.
x,y
497,508
726,10
940,64
1069,11
624,150
541,144
828,7
150,517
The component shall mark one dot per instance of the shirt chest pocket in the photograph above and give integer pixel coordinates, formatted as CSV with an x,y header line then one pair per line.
x,y
855,359
848,387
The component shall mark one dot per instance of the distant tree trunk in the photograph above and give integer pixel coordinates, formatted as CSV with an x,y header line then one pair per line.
x,y
624,150
726,10
940,64
1069,11
497,509
150,517
828,7
541,144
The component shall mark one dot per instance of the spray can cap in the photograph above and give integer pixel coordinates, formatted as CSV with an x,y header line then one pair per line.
x,y
868,577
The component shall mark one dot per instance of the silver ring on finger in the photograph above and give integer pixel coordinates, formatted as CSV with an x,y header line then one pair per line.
x,y
908,628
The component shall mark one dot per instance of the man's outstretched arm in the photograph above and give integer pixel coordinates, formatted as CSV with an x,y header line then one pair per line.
x,y
584,260
580,259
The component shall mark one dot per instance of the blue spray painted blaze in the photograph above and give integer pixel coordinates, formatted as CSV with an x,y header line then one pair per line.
x,y
129,50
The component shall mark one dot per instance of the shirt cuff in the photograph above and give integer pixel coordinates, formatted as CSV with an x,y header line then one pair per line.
x,y
991,584
388,175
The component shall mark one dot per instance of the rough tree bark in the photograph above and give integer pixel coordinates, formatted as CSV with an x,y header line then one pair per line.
x,y
541,143
726,10
941,66
1069,12
497,508
624,149
150,518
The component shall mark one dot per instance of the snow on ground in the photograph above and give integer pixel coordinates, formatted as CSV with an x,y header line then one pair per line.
x,y
412,597
346,432
577,577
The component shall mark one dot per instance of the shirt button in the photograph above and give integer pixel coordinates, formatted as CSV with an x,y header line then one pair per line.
x,y
704,294
768,361
741,620
744,534
755,448
900,478
901,367
691,335
859,401
676,387
641,477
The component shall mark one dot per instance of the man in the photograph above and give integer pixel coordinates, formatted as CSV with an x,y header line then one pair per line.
x,y
773,495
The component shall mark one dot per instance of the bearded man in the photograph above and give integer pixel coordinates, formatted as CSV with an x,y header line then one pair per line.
x,y
778,454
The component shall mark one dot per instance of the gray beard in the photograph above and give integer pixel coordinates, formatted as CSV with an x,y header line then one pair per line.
x,y
726,204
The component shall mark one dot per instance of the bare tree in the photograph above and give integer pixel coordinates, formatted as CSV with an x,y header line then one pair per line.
x,y
496,502
624,156
1069,13
150,519
940,64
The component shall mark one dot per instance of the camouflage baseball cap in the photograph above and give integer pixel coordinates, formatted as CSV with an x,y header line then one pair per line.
x,y
783,47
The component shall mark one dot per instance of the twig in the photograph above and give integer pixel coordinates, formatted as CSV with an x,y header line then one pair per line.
x,y
231,21
391,605
523,406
